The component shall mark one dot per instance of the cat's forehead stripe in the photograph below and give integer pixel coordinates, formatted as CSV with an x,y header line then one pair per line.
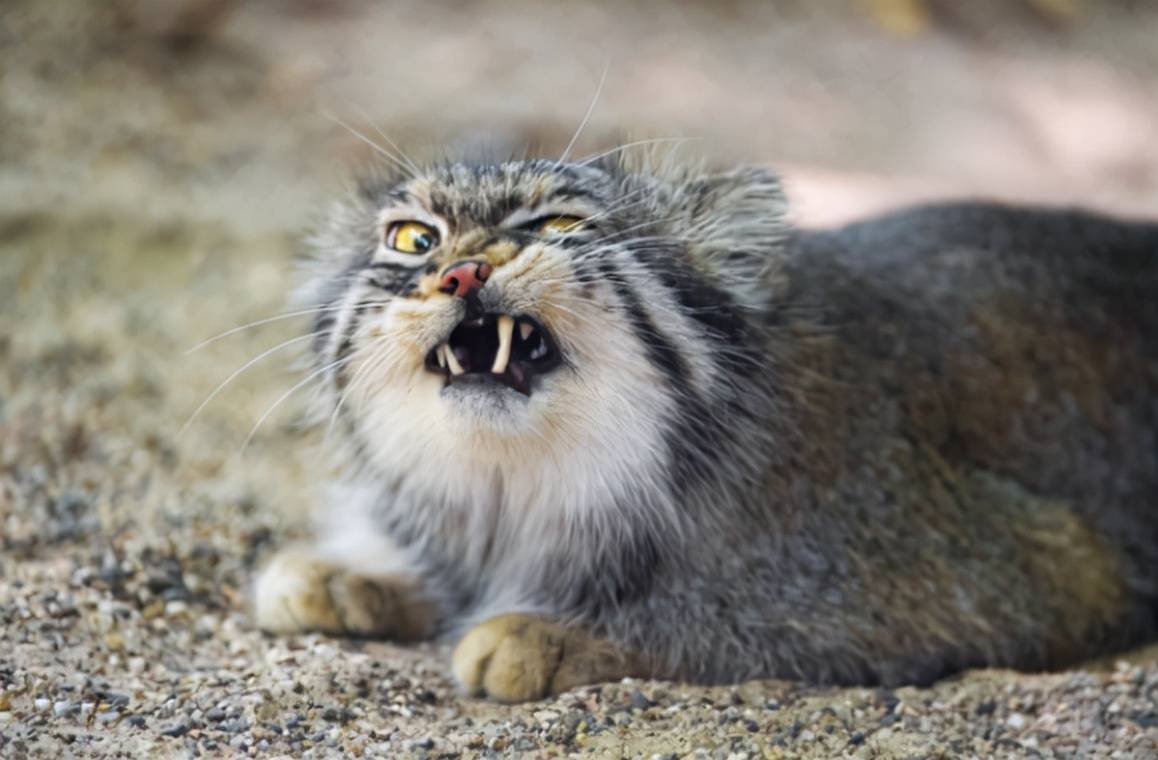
x,y
489,194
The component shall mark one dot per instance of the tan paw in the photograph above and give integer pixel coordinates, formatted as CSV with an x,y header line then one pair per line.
x,y
516,658
299,591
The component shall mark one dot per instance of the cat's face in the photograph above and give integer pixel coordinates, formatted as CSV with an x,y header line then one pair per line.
x,y
536,310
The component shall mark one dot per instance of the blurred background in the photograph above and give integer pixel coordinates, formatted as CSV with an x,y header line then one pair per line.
x,y
219,106
159,158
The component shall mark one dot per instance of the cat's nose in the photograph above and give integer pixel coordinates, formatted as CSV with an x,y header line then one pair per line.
x,y
464,277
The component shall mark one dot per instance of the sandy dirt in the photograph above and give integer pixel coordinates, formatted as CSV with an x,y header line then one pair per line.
x,y
156,167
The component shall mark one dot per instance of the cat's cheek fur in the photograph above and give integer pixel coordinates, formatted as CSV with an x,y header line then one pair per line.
x,y
588,430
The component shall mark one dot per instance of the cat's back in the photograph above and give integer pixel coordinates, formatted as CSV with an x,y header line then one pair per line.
x,y
1096,271
1021,343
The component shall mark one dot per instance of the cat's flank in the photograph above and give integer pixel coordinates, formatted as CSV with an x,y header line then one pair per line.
x,y
607,420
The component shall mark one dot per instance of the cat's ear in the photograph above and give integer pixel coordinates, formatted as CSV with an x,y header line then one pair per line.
x,y
732,222
734,225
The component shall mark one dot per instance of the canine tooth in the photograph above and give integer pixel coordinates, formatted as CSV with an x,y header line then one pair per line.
x,y
525,329
503,355
539,351
442,355
452,360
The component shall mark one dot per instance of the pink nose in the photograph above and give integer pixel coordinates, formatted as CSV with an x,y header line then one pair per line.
x,y
464,277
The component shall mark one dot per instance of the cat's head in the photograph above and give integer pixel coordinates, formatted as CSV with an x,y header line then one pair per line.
x,y
531,311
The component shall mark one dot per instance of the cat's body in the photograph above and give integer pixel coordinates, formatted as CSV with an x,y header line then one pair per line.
x,y
876,454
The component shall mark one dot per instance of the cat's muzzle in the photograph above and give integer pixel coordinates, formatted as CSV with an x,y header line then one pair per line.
x,y
502,348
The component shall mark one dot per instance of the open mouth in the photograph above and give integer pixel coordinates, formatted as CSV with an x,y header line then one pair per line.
x,y
502,348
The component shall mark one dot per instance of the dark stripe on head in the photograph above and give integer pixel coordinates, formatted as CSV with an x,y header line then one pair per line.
x,y
711,307
493,211
569,193
391,266
700,437
346,345
660,351
336,290
392,277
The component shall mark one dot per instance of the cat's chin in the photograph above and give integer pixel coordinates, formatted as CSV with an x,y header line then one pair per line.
x,y
482,388
486,404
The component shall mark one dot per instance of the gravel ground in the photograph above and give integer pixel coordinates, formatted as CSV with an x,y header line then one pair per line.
x,y
150,193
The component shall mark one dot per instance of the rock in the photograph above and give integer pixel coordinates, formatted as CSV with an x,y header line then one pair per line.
x,y
639,700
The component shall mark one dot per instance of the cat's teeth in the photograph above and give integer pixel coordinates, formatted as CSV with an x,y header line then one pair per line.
x,y
441,352
525,329
506,325
452,360
539,351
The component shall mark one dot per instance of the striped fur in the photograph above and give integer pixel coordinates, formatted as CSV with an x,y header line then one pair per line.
x,y
754,460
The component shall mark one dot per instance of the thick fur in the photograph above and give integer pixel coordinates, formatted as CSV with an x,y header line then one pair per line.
x,y
876,454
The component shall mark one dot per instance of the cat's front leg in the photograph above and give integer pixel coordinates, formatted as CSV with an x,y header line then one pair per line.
x,y
306,588
517,657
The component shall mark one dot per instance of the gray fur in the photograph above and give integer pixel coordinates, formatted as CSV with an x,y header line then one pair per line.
x,y
876,454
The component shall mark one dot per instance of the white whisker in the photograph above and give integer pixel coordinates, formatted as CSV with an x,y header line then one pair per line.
x,y
678,141
265,321
237,372
286,395
586,118
377,148
415,169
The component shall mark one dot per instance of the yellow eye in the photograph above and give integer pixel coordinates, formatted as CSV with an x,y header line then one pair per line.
x,y
411,237
560,225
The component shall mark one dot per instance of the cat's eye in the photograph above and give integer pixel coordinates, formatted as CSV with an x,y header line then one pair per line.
x,y
411,237
560,225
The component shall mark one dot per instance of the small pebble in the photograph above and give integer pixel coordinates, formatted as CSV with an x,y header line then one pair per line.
x,y
640,701
424,743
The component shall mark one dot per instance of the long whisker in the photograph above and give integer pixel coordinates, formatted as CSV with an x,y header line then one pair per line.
x,y
365,375
617,207
415,169
361,376
266,321
286,395
593,246
586,117
656,140
237,372
377,148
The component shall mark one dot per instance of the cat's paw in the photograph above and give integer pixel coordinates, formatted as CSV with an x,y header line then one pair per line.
x,y
299,591
517,658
